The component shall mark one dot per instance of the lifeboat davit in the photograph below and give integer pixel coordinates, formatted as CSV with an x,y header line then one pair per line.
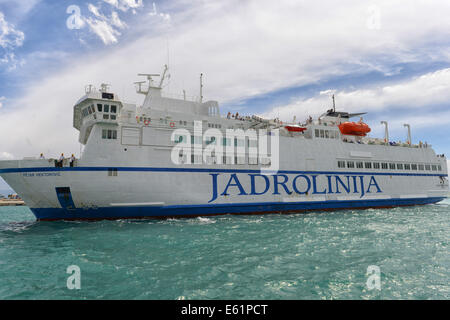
x,y
354,128
294,128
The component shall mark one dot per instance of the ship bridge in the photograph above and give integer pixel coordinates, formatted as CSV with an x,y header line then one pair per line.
x,y
96,106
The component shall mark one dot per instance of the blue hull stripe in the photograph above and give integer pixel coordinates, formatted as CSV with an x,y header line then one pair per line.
x,y
217,209
207,170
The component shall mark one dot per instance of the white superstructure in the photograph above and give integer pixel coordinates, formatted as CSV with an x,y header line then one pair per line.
x,y
127,168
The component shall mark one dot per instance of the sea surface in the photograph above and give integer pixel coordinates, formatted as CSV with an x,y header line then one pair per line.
x,y
323,255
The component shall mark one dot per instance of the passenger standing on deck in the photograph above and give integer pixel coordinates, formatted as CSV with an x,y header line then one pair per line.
x,y
41,156
61,160
72,160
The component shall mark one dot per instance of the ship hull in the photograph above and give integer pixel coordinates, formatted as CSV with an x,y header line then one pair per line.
x,y
108,213
95,193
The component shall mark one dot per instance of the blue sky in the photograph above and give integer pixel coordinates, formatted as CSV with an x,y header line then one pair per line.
x,y
273,59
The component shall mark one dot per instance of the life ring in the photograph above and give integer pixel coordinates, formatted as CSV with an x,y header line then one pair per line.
x,y
146,122
172,124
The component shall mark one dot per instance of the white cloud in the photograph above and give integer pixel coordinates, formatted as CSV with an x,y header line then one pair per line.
x,y
2,99
107,29
244,49
103,30
10,39
422,92
125,5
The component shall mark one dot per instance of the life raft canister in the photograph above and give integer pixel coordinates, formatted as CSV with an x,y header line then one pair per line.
x,y
354,128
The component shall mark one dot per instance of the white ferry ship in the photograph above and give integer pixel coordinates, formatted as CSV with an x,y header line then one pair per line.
x,y
164,159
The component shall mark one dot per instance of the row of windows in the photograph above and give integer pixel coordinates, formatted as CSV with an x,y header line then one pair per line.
x,y
388,165
240,160
214,125
212,140
327,134
104,108
109,134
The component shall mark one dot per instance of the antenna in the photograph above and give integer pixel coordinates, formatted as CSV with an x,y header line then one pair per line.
x,y
104,87
201,87
139,83
334,105
149,76
164,75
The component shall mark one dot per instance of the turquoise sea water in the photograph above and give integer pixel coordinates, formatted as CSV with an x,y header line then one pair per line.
x,y
312,256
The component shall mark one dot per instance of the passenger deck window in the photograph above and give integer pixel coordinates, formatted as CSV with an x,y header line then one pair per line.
x,y
368,165
113,109
433,167
407,166
341,164
350,164
109,134
384,165
427,167
359,165
99,107
106,107
414,167
400,166
392,166
439,168
421,167
376,165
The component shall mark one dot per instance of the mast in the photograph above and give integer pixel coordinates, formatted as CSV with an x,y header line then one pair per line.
x,y
334,105
201,87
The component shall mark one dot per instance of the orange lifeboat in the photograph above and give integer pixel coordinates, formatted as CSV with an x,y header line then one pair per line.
x,y
294,128
354,128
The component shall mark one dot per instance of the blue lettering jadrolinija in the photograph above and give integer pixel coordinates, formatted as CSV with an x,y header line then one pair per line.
x,y
282,184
